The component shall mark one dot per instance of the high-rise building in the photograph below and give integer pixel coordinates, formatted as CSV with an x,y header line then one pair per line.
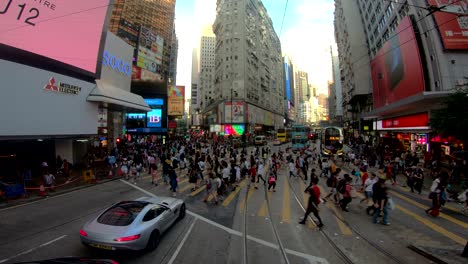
x,y
415,51
156,16
249,67
173,59
206,86
353,61
302,94
289,96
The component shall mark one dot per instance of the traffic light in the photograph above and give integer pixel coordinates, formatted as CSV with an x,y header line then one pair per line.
x,y
117,141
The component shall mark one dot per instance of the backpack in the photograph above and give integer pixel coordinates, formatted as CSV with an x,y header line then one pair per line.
x,y
330,181
341,187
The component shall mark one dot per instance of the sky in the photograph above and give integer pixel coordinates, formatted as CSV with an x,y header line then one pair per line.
x,y
306,35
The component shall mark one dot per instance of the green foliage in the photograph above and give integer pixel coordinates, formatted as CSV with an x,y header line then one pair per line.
x,y
452,119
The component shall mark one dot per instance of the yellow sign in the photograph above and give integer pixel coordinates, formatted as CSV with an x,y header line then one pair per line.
x,y
366,128
175,102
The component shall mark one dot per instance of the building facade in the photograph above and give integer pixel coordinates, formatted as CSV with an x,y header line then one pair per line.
x,y
206,87
157,18
353,62
173,59
248,67
289,96
416,59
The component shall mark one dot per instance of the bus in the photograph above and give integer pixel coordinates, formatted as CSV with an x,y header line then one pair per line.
x,y
332,141
283,135
300,136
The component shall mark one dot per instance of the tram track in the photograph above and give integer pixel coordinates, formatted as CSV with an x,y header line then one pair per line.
x,y
340,252
281,248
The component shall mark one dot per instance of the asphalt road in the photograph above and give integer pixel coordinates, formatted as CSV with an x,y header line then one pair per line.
x,y
215,233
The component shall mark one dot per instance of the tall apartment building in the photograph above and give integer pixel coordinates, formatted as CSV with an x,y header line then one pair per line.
x,y
156,15
173,59
416,58
302,94
249,68
206,86
289,96
353,61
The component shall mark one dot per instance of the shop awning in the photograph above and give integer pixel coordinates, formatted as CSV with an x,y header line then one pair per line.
x,y
117,98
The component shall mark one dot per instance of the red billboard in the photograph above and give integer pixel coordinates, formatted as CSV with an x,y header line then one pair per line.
x,y
453,31
396,70
63,30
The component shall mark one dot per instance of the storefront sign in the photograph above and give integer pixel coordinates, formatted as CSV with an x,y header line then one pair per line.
x,y
415,121
61,87
116,63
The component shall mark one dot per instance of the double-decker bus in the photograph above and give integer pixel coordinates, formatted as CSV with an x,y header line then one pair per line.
x,y
283,135
300,136
332,141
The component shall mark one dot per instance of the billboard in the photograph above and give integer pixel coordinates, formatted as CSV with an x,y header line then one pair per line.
x,y
453,31
234,112
54,29
150,50
176,99
396,70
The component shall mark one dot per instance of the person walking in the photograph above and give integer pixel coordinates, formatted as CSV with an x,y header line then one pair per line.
x,y
313,202
260,173
367,186
172,178
272,182
380,197
292,168
346,194
212,183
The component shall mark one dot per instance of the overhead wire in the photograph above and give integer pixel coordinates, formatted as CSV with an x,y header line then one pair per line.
x,y
408,27
284,15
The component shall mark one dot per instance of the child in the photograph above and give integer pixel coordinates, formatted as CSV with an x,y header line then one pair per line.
x,y
272,182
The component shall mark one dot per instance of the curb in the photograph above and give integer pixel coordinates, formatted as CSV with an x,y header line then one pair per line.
x,y
37,198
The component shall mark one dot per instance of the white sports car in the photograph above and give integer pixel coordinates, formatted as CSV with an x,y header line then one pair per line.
x,y
132,225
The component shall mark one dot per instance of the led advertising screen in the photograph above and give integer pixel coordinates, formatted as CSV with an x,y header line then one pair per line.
x,y
176,100
66,31
235,130
397,71
154,117
453,30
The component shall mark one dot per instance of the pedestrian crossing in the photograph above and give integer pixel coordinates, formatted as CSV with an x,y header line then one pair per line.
x,y
286,201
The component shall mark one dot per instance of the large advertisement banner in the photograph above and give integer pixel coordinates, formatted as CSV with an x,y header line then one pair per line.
x,y
397,71
150,50
176,98
453,30
63,30
234,112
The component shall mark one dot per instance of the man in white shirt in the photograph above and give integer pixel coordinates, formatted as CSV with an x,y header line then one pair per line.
x,y
368,184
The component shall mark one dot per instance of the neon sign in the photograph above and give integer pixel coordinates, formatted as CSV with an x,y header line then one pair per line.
x,y
235,130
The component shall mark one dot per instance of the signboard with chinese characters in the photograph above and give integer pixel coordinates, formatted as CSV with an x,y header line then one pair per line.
x,y
150,50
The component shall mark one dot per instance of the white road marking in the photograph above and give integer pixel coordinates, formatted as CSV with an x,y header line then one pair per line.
x,y
310,258
32,249
176,252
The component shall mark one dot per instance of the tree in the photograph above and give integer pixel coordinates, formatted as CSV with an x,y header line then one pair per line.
x,y
452,119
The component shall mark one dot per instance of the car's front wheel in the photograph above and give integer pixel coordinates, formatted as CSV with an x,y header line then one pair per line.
x,y
153,241
182,212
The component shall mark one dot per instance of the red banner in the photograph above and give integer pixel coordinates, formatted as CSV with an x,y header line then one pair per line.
x,y
416,120
453,30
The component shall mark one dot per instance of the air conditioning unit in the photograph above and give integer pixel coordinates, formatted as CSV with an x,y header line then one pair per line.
x,y
461,82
